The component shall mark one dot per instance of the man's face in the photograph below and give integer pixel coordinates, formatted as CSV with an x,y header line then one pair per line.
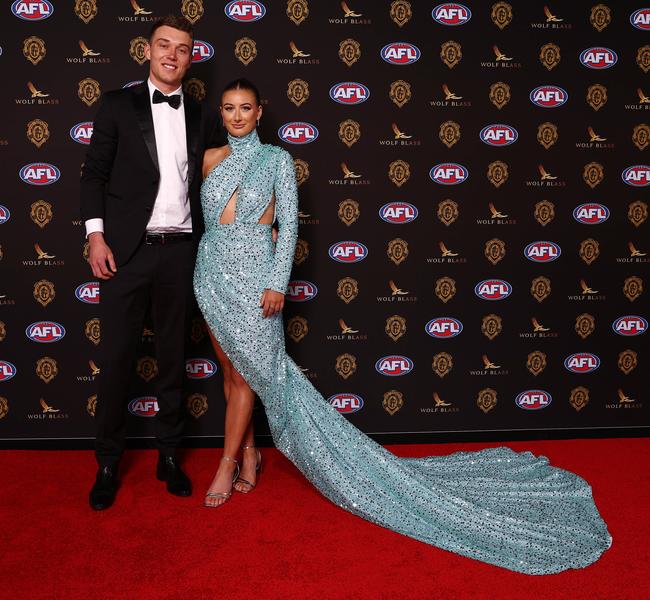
x,y
170,54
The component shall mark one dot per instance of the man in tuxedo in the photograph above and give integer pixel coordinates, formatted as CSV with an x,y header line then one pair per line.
x,y
140,201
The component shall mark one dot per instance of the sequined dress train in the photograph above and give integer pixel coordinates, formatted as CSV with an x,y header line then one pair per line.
x,y
506,508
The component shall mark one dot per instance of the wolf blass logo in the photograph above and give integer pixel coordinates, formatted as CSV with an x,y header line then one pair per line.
x,y
88,56
489,370
47,413
397,295
298,57
43,259
348,334
140,14
350,17
36,96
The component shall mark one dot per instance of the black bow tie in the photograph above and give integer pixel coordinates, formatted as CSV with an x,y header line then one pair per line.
x,y
173,101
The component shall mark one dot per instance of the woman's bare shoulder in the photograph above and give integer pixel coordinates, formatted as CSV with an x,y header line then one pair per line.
x,y
212,157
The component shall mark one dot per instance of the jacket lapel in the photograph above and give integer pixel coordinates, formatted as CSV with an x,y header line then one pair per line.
x,y
192,133
145,120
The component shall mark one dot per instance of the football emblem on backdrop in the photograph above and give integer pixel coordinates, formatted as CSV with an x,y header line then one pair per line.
x,y
202,51
451,14
443,327
398,212
449,173
7,370
40,174
542,252
245,11
498,135
400,53
32,11
298,132
346,403
493,289
591,213
348,252
349,92
630,325
641,19
549,96
533,399
598,58
582,362
301,291
394,365
45,332
82,132
637,175
146,406
200,368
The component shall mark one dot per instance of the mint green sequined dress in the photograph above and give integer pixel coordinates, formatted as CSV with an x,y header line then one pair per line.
x,y
506,508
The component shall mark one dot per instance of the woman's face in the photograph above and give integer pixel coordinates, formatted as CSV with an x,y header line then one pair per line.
x,y
240,112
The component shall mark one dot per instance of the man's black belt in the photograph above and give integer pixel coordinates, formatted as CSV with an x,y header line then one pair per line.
x,y
166,238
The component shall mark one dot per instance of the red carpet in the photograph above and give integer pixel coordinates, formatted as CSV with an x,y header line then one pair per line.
x,y
284,540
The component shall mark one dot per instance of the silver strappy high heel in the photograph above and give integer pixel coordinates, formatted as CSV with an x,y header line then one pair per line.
x,y
258,469
224,495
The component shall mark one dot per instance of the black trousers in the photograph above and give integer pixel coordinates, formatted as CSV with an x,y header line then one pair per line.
x,y
157,276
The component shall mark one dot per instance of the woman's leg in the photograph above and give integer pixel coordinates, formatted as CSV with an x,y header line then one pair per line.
x,y
239,409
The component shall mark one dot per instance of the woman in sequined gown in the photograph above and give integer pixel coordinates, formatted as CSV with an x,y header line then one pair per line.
x,y
506,508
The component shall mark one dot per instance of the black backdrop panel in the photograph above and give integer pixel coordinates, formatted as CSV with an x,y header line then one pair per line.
x,y
486,165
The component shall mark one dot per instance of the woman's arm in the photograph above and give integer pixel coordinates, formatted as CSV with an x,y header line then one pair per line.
x,y
286,212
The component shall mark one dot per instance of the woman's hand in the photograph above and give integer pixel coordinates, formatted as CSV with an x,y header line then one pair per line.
x,y
272,302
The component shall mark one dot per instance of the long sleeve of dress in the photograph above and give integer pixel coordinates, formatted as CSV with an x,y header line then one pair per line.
x,y
286,212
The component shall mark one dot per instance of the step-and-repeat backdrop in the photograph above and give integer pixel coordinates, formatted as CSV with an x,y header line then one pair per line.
x,y
473,181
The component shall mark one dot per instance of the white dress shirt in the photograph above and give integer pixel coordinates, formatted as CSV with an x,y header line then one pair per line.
x,y
171,211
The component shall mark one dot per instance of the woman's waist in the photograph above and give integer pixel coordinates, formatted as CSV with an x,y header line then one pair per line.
x,y
239,229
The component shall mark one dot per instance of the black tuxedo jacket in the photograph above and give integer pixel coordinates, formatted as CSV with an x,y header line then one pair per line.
x,y
119,179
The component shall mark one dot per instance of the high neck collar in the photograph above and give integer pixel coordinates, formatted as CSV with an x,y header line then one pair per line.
x,y
245,142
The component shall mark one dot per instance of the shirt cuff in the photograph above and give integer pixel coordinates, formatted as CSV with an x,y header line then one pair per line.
x,y
93,225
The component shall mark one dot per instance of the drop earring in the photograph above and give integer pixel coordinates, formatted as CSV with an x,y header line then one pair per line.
x,y
258,122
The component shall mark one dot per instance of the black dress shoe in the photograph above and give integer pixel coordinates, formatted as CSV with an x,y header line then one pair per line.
x,y
102,494
169,470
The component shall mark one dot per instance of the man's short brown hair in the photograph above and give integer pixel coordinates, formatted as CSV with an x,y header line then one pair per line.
x,y
180,23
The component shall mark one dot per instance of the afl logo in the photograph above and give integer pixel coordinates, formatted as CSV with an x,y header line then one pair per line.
x,y
45,332
493,289
301,291
200,368
400,53
398,212
443,327
39,174
630,325
498,135
637,176
202,51
32,11
346,403
349,92
533,399
348,252
641,19
394,365
449,174
88,292
245,11
598,58
82,132
7,370
549,96
451,14
146,406
582,362
5,215
132,83
542,252
297,132
591,213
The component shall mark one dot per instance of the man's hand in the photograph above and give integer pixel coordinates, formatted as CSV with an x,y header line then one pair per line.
x,y
272,302
101,258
